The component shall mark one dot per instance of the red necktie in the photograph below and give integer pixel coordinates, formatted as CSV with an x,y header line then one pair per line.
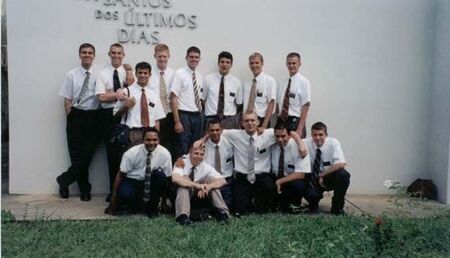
x,y
145,118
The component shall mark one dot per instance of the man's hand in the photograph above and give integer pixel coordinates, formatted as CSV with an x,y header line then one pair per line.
x,y
299,131
68,110
198,144
121,94
130,102
321,182
202,194
302,150
127,67
180,163
277,183
260,130
179,127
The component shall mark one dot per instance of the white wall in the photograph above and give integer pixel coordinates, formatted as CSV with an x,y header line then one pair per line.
x,y
368,61
439,147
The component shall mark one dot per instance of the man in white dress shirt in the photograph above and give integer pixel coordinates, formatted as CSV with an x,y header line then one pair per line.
x,y
142,107
222,93
290,168
161,80
186,102
82,127
327,169
198,185
110,80
144,170
294,97
260,93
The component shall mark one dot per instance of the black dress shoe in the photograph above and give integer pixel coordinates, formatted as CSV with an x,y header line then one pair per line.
x,y
222,216
108,198
338,212
63,189
184,220
85,197
152,214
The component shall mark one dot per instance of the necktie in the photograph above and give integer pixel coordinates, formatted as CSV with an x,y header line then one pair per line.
x,y
316,167
116,81
148,173
285,110
198,103
192,174
251,100
217,163
145,118
251,162
84,87
163,93
220,106
281,163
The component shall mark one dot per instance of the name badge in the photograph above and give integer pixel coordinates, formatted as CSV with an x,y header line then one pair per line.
x,y
201,89
232,94
262,151
291,166
292,95
151,104
326,163
229,159
259,94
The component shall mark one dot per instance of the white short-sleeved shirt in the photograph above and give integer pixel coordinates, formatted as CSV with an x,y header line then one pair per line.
x,y
168,77
202,172
266,90
331,152
155,110
182,86
72,84
105,82
299,94
232,91
241,140
293,162
134,161
226,155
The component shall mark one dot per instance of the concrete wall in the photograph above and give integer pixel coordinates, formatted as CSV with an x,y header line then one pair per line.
x,y
369,63
439,154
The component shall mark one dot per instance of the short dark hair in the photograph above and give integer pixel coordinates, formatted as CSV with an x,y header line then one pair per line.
x,y
280,125
116,45
143,66
319,126
213,122
86,45
193,49
150,129
225,54
294,54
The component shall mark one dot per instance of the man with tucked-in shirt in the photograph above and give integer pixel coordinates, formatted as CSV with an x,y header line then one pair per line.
x,y
82,128
144,170
222,93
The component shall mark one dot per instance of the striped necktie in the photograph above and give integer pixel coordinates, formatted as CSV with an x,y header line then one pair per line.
x,y
84,87
163,93
198,103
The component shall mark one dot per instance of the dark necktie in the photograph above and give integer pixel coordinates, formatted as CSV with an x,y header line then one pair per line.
x,y
220,106
116,81
192,174
218,165
84,87
316,167
145,118
251,99
285,110
251,177
148,174
281,163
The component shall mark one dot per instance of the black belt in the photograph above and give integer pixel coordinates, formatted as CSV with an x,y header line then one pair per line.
x,y
81,111
189,112
217,116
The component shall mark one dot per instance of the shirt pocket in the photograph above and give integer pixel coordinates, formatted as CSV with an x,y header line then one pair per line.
x,y
230,97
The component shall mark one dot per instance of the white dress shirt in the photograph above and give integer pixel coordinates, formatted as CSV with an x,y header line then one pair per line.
x,y
226,155
134,161
182,87
299,94
202,172
105,82
155,110
168,78
232,94
266,90
293,161
331,152
241,140
72,84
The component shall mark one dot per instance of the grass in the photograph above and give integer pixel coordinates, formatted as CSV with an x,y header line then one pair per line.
x,y
271,235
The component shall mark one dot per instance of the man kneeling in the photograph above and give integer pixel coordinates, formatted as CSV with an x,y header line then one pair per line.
x,y
198,184
142,178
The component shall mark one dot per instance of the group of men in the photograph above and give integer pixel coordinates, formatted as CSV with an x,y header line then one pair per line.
x,y
240,166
